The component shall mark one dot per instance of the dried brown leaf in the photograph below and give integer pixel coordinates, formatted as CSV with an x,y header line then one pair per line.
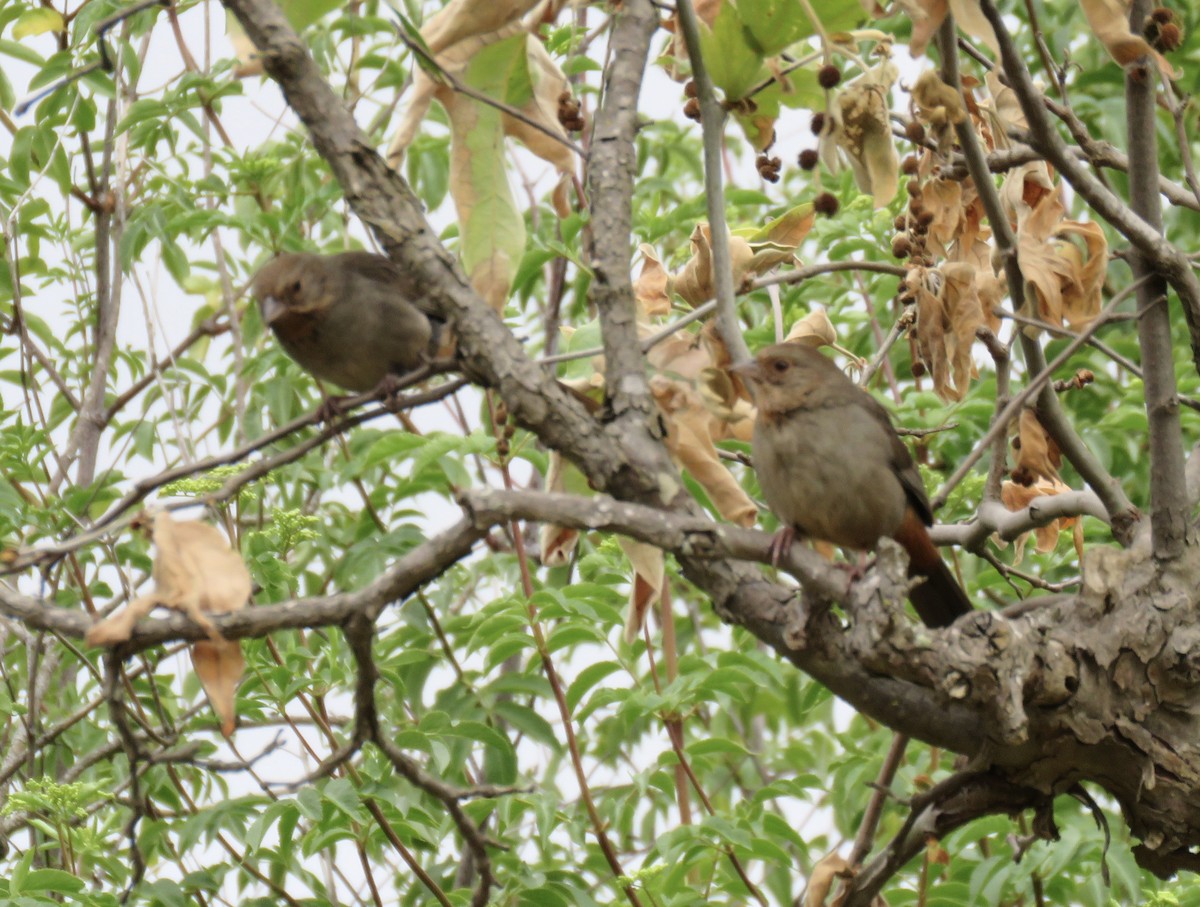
x,y
963,315
220,666
943,198
196,572
690,439
694,281
647,586
938,106
927,16
652,289
820,881
1044,268
863,131
1109,20
1015,497
814,329
1038,456
1081,296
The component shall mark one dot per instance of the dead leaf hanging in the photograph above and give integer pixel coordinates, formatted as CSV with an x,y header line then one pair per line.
x,y
197,573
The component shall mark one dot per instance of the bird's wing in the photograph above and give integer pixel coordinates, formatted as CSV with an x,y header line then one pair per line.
x,y
383,270
902,463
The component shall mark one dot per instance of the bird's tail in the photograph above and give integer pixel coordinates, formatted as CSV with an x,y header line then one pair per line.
x,y
939,599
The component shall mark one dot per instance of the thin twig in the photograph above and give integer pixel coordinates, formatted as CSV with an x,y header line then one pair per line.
x,y
712,122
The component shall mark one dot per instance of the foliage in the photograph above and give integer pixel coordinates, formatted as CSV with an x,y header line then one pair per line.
x,y
136,207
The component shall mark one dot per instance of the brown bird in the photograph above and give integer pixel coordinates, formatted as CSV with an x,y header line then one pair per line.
x,y
832,467
343,317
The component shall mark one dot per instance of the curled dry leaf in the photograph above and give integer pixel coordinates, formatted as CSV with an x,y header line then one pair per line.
x,y
863,131
1109,20
943,198
1024,189
652,288
648,574
556,543
220,666
963,316
196,572
820,881
1017,497
1067,279
814,329
927,16
949,312
752,253
1038,456
1081,297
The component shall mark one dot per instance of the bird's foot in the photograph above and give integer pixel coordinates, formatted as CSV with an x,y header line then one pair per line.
x,y
780,543
333,408
856,571
388,391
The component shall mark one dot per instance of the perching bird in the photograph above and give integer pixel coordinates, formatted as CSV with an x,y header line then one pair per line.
x,y
832,467
344,318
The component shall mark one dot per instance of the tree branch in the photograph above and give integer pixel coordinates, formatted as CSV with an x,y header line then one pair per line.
x,y
1159,253
1168,500
611,167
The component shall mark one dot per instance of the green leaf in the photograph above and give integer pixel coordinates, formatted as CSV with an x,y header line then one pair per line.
x,y
38,21
587,679
733,65
52,880
529,723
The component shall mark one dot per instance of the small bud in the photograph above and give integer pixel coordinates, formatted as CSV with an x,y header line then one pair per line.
x,y
915,132
818,123
910,164
691,109
901,245
808,158
690,90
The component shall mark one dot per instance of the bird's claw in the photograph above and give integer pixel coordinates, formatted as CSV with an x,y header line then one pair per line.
x,y
332,408
781,542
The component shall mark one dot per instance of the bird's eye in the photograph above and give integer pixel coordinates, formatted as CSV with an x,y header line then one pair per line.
x,y
294,289
780,365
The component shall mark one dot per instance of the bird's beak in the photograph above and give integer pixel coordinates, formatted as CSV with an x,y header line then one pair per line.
x,y
272,309
749,370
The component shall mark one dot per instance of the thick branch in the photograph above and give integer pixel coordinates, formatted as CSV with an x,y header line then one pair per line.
x,y
951,804
1168,503
618,460
612,165
489,352
802,632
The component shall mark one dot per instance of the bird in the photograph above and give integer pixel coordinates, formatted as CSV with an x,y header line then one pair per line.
x,y
344,318
832,467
